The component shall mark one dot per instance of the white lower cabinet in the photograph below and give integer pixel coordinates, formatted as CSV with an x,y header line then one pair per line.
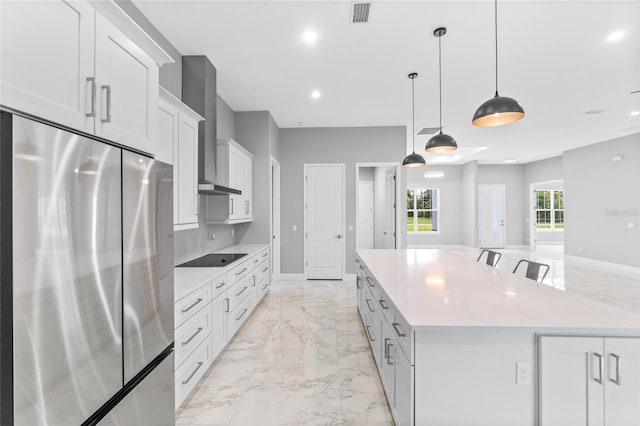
x,y
219,331
192,370
193,332
589,380
403,389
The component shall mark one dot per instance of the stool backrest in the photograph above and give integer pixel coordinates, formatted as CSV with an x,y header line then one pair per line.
x,y
533,269
493,257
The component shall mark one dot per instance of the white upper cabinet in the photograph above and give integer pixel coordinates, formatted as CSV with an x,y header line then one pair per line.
x,y
178,145
84,65
46,59
127,85
234,169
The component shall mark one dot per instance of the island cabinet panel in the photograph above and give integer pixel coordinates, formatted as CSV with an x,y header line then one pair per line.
x,y
589,380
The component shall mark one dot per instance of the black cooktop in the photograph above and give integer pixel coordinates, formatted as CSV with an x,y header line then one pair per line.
x,y
213,260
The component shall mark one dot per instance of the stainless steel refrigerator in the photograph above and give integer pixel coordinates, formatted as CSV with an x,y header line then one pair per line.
x,y
86,298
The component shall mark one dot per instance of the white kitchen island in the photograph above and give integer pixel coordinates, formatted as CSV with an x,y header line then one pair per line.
x,y
448,335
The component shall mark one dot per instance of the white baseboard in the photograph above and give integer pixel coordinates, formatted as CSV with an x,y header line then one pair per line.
x,y
349,277
550,243
291,277
516,246
435,246
632,271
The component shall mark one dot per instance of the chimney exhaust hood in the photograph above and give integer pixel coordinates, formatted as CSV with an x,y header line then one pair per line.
x,y
199,93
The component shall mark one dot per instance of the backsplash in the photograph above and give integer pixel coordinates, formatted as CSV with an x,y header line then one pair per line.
x,y
192,243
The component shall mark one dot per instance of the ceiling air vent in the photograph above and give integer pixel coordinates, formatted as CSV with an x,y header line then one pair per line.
x,y
360,12
595,111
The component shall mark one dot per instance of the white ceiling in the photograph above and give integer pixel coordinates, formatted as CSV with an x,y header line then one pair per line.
x,y
554,58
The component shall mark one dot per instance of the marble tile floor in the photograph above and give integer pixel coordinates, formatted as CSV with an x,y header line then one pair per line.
x,y
302,358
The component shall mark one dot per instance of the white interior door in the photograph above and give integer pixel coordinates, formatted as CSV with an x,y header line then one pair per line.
x,y
275,217
365,215
324,221
491,211
390,209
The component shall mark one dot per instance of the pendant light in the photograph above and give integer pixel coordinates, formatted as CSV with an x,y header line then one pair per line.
x,y
498,110
413,159
440,142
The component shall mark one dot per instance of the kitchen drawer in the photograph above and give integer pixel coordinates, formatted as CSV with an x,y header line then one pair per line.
x,y
373,286
372,331
263,271
238,316
386,307
192,370
218,286
370,304
239,291
191,333
239,272
264,287
403,335
186,307
254,261
264,254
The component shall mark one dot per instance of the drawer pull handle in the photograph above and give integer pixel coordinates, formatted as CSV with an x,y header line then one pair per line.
x,y
600,368
369,305
256,261
383,304
361,267
238,273
618,359
192,337
184,382
191,307
265,285
370,283
242,291
221,285
265,269
369,333
242,314
397,329
265,255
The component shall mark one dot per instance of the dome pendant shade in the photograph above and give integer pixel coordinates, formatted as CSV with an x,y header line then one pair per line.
x,y
441,143
498,111
413,160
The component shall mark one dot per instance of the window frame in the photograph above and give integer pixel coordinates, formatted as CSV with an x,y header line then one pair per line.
x,y
415,211
552,210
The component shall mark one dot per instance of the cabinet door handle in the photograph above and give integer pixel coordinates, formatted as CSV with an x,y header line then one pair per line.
x,y
265,285
383,304
265,255
246,207
386,348
600,368
390,354
396,327
239,273
231,200
192,337
227,302
221,285
191,306
242,291
92,80
196,204
618,360
358,283
370,283
184,382
369,333
107,87
369,305
242,314
265,269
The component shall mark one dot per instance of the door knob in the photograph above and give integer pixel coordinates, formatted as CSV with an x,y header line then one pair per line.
x,y
338,236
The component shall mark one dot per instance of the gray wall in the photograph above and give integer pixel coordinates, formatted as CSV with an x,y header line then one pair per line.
x,y
602,198
516,214
366,174
226,120
274,139
469,204
450,186
170,74
254,131
346,145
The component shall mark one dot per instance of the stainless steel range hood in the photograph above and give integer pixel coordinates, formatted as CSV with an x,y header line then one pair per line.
x,y
199,92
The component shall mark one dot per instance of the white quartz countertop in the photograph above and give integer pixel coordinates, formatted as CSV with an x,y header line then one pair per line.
x,y
439,289
187,280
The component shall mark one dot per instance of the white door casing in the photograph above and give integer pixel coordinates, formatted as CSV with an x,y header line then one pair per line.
x,y
324,221
491,216
390,209
275,217
365,215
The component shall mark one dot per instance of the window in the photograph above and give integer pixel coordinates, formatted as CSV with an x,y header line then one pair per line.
x,y
550,209
423,207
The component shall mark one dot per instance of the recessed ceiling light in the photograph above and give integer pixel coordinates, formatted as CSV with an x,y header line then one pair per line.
x,y
634,113
310,36
434,174
615,36
509,160
315,94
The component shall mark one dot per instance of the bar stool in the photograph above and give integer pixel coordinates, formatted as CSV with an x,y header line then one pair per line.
x,y
533,269
493,257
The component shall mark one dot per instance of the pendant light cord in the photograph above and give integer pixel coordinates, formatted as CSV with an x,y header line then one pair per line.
x,y
440,76
413,112
495,15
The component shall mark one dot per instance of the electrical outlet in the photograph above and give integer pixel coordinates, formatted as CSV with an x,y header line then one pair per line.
x,y
523,373
233,232
212,236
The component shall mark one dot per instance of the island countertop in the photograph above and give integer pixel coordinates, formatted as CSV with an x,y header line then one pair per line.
x,y
440,289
